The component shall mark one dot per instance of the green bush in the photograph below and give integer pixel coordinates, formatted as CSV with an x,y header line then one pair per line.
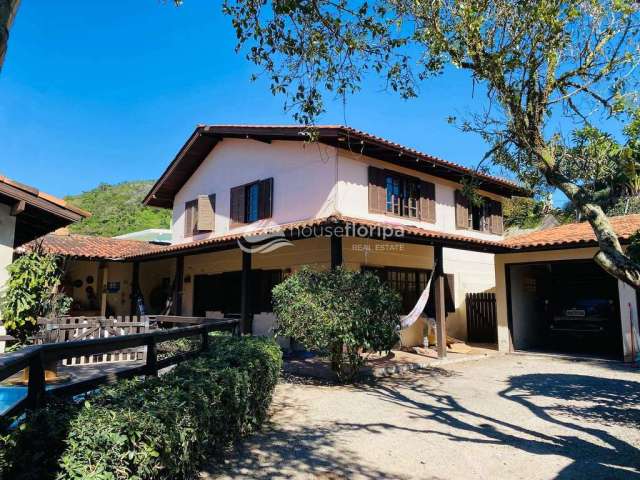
x,y
338,313
154,428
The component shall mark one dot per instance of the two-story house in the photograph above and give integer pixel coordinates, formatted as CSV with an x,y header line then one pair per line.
x,y
231,182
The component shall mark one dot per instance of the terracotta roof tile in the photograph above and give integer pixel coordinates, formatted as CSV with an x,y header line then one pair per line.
x,y
572,234
88,247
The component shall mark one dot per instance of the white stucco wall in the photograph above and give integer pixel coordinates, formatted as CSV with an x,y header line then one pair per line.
x,y
310,181
7,231
630,324
353,195
303,187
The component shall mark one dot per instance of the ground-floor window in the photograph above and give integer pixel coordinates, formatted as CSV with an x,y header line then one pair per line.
x,y
410,283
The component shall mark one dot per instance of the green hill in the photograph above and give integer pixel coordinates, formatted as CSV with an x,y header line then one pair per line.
x,y
117,209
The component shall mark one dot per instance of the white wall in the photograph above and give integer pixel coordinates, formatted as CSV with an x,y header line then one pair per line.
x,y
7,232
310,181
629,319
353,196
303,187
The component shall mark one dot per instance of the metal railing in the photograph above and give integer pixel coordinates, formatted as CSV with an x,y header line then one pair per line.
x,y
37,357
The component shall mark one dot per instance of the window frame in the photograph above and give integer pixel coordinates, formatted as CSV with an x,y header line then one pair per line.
x,y
401,207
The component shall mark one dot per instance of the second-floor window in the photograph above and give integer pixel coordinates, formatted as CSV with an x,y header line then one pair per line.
x,y
483,217
391,193
199,215
403,196
251,202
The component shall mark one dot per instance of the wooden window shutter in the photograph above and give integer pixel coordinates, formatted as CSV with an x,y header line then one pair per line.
x,y
428,202
189,217
497,223
377,191
236,214
265,209
462,210
206,213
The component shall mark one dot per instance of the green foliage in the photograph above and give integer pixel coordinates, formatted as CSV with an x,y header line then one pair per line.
x,y
521,212
154,428
633,250
32,292
117,209
339,313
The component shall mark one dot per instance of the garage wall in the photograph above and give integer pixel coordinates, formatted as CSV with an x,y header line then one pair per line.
x,y
523,304
630,324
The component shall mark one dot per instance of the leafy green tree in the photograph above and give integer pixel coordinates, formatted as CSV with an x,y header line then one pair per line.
x,y
31,292
338,313
117,209
537,61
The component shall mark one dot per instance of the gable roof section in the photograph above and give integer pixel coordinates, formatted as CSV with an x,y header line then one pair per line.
x,y
206,137
42,212
571,235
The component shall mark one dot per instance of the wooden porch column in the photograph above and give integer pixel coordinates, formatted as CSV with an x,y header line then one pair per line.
x,y
336,251
246,315
103,279
441,328
179,285
135,288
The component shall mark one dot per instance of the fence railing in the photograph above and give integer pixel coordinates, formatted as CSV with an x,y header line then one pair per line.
x,y
37,357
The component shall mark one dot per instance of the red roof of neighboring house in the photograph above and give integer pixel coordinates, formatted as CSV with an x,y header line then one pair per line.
x,y
572,234
88,247
206,137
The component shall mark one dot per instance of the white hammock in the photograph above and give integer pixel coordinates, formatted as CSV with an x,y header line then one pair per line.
x,y
414,314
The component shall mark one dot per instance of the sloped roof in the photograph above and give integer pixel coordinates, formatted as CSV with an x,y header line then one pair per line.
x,y
95,248
206,137
39,213
572,234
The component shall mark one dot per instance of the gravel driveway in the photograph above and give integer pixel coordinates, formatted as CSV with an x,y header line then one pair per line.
x,y
510,416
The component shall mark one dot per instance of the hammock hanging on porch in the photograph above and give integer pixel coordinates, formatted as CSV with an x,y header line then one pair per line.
x,y
414,314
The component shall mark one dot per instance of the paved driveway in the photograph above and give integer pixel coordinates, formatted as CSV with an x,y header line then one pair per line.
x,y
504,417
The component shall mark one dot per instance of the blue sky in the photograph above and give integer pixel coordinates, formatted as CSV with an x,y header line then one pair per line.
x,y
102,91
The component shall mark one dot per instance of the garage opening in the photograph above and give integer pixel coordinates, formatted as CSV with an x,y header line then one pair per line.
x,y
564,307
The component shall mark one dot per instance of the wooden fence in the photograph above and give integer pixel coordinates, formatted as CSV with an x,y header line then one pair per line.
x,y
36,357
481,317
69,329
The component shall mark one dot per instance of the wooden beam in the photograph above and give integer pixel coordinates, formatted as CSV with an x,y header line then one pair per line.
x,y
135,289
18,208
441,328
246,315
336,251
179,285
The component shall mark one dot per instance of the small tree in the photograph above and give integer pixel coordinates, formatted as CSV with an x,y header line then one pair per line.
x,y
31,292
338,313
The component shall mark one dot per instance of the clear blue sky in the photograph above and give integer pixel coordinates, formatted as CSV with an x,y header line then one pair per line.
x,y
102,91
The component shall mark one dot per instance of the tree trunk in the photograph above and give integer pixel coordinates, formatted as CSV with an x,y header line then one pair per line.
x,y
8,10
610,256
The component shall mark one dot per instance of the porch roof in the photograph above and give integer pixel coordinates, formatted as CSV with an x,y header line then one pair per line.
x,y
86,247
206,137
572,235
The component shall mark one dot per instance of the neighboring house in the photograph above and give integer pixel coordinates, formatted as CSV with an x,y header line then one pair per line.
x,y
152,235
26,214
